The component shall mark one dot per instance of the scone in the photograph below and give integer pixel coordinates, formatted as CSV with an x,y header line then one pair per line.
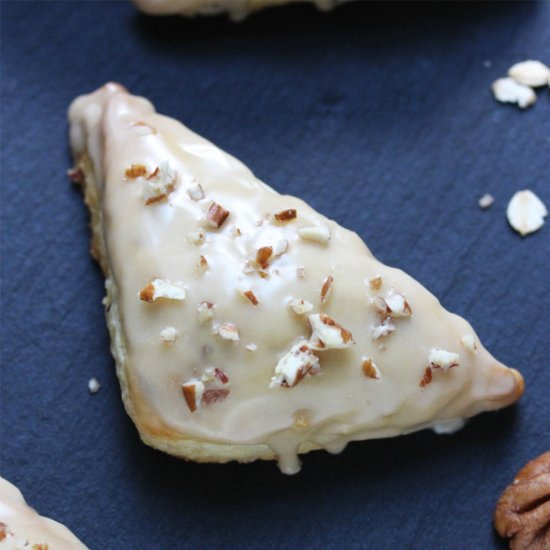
x,y
236,9
22,528
244,324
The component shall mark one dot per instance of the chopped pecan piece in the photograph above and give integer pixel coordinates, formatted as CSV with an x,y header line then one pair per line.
x,y
385,327
263,255
3,531
216,215
215,395
441,359
229,331
193,391
159,184
327,333
300,306
203,263
280,247
370,370
160,288
168,335
196,192
376,283
326,289
135,171
196,237
286,215
393,305
252,297
522,514
205,312
427,378
294,365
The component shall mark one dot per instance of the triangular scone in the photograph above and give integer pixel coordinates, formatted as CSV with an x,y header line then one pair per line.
x,y
236,9
22,528
244,324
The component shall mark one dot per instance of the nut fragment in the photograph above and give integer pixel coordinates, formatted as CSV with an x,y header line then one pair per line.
x,y
203,263
205,312
135,171
216,215
286,215
160,288
486,201
317,233
370,370
196,237
385,327
441,359
251,347
196,192
393,305
507,90
252,297
300,306
469,343
280,247
427,378
193,391
301,272
229,331
326,289
168,335
93,385
376,283
294,365
523,511
3,531
530,73
327,333
159,184
526,212
262,256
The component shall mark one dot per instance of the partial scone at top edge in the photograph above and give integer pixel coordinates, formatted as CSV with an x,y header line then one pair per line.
x,y
244,324
22,528
236,9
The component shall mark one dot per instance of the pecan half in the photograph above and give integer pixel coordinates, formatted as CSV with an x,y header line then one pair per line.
x,y
522,514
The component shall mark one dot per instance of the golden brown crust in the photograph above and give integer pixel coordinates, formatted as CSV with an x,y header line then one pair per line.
x,y
522,514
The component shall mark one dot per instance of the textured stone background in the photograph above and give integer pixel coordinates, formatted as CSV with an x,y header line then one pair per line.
x,y
381,116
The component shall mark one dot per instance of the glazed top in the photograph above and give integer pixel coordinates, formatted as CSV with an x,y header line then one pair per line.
x,y
289,377
21,528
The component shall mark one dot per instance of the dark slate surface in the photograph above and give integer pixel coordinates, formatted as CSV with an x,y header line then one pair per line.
x,y
381,116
